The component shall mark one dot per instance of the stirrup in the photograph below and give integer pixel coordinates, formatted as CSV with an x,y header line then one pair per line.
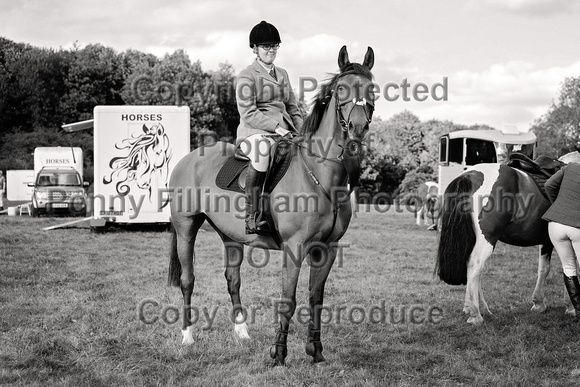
x,y
252,226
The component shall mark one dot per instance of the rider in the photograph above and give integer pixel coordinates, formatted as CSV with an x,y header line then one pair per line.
x,y
267,107
563,190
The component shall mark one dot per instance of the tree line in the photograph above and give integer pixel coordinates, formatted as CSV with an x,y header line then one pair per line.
x,y
41,88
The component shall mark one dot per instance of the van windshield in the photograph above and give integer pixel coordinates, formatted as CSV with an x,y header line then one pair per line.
x,y
53,179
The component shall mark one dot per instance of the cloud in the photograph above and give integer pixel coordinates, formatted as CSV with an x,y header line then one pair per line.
x,y
513,93
536,8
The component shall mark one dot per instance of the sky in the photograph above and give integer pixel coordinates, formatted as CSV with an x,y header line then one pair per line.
x,y
503,61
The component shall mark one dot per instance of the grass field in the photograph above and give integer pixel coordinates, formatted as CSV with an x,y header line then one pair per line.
x,y
70,305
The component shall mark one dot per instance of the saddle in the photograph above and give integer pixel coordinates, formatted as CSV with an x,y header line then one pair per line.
x,y
232,175
540,169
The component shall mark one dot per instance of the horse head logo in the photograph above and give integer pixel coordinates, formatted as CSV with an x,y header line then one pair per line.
x,y
148,154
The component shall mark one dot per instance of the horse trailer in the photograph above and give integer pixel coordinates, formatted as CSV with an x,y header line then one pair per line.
x,y
462,149
135,150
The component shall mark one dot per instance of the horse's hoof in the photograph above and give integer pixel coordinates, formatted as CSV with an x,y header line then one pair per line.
x,y
318,360
187,335
241,331
187,341
475,320
570,311
539,308
309,348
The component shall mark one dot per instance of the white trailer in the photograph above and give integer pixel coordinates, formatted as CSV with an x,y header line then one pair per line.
x,y
58,157
19,184
135,150
464,148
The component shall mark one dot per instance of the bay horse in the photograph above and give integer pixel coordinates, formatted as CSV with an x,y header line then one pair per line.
x,y
486,204
326,159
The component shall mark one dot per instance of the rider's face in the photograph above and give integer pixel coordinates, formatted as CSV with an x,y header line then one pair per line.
x,y
267,56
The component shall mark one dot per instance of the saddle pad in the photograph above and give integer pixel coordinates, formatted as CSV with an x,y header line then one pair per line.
x,y
233,171
227,177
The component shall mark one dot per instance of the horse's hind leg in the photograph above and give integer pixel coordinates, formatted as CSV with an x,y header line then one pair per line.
x,y
539,297
186,230
234,255
481,252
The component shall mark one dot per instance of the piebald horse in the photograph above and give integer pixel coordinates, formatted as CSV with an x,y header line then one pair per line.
x,y
326,159
486,204
427,204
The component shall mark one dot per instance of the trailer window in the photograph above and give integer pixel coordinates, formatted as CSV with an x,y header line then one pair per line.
x,y
443,144
480,151
527,149
456,150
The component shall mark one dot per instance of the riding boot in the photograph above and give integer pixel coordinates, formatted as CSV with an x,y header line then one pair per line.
x,y
573,288
254,182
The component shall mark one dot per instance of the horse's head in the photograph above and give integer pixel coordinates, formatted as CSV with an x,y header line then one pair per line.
x,y
152,154
354,95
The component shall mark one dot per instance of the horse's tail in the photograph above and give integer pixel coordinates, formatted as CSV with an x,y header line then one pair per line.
x,y
174,275
457,237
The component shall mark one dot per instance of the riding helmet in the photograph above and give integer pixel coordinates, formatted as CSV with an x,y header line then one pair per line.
x,y
264,33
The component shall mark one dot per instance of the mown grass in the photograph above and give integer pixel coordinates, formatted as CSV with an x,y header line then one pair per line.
x,y
69,303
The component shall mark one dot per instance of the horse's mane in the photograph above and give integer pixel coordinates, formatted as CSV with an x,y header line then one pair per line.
x,y
320,103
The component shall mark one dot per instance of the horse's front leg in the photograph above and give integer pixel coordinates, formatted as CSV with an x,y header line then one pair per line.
x,y
539,297
321,260
187,282
292,257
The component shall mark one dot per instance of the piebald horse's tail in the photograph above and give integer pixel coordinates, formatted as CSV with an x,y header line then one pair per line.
x,y
174,275
457,237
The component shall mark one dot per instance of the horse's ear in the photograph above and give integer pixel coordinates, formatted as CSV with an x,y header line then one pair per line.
x,y
145,130
369,58
343,58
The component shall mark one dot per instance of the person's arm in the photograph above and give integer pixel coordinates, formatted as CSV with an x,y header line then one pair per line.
x,y
552,185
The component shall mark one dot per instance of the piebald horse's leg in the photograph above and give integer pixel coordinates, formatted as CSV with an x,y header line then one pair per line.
x,y
321,260
539,297
292,257
186,229
419,215
473,292
234,255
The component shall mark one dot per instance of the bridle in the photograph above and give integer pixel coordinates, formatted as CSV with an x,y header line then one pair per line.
x,y
351,147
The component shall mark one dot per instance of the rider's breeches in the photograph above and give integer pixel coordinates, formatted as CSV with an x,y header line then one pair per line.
x,y
566,240
257,148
